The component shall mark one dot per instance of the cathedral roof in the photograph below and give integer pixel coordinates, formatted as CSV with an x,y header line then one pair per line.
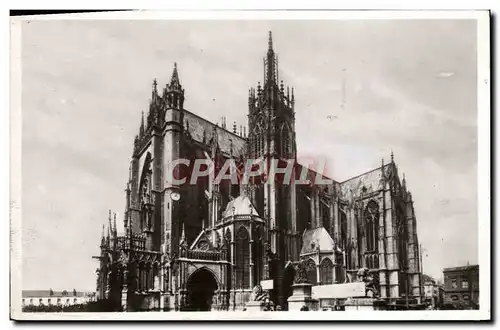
x,y
371,181
198,127
242,206
314,238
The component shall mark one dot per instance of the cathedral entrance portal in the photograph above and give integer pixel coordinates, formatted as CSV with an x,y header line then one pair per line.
x,y
201,286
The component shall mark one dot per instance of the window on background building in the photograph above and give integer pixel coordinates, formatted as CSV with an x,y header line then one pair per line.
x,y
454,297
453,283
465,284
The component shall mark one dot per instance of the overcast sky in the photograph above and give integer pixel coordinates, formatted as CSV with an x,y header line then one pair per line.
x,y
410,87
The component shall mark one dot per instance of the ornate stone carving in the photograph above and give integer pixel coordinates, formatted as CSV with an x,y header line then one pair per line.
x,y
301,273
258,294
370,280
203,245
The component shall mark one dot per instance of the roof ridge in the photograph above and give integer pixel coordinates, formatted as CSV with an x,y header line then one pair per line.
x,y
370,171
220,127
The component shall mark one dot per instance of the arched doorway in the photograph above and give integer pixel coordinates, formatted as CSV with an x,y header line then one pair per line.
x,y
201,286
288,277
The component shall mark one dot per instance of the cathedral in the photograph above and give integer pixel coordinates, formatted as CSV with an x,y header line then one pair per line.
x,y
205,246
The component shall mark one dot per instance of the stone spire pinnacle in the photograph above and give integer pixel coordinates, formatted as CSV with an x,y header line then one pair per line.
x,y
175,75
110,225
103,239
155,86
270,42
141,129
270,64
115,231
183,234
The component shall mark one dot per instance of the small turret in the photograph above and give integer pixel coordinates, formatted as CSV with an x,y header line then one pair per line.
x,y
183,235
141,129
174,93
115,231
103,239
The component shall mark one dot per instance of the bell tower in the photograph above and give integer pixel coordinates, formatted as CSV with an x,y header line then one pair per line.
x,y
173,105
271,117
271,122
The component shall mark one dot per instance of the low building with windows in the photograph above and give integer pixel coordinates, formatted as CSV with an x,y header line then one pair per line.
x,y
57,298
461,287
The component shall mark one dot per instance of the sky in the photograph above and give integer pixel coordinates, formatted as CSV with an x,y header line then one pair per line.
x,y
409,87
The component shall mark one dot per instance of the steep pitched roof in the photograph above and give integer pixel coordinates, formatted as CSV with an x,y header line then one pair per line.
x,y
198,125
312,175
371,180
202,242
242,206
314,238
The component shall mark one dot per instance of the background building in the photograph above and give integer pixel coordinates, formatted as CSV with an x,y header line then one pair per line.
x,y
461,287
205,246
433,292
50,297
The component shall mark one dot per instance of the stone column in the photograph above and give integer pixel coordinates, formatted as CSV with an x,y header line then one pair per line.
x,y
251,263
336,219
383,275
318,279
392,263
124,290
319,215
313,208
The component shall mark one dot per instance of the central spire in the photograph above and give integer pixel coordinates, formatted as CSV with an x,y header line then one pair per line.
x,y
270,64
270,43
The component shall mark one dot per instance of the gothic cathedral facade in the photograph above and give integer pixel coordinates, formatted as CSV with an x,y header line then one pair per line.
x,y
204,246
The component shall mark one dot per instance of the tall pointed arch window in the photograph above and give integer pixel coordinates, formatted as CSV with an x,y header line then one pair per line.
x,y
326,271
371,225
242,258
285,141
312,276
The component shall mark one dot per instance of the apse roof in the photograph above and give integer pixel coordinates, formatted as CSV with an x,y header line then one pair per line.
x,y
370,180
242,206
312,238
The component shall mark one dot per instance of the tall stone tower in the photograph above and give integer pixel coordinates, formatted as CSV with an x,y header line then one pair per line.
x,y
271,122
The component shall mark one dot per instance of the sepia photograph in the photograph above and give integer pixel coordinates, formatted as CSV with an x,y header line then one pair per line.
x,y
225,166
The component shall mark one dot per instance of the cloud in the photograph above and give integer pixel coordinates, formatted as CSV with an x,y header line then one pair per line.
x,y
445,74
